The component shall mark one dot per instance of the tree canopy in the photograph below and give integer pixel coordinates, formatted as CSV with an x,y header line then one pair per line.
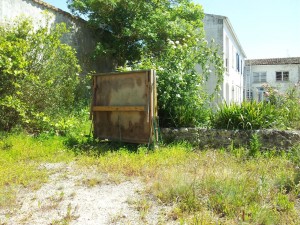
x,y
38,75
166,35
133,27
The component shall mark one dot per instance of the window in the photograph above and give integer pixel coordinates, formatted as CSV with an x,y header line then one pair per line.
x,y
241,66
237,62
260,94
249,95
227,54
226,65
259,77
282,76
232,56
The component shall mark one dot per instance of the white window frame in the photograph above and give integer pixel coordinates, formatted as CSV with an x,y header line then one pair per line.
x,y
249,94
260,94
261,76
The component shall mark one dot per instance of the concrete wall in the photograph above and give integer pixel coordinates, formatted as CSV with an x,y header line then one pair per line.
x,y
81,37
213,26
212,138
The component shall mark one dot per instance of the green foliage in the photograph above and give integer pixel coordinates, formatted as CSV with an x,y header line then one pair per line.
x,y
248,115
207,186
132,27
288,104
164,35
38,75
255,146
182,101
280,110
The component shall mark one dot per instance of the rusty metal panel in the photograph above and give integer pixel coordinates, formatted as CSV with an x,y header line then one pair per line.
x,y
123,106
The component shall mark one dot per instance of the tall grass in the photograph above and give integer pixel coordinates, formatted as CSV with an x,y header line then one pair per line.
x,y
248,115
257,191
209,186
21,154
280,110
212,186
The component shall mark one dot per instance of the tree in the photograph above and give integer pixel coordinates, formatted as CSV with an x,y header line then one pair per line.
x,y
38,75
166,35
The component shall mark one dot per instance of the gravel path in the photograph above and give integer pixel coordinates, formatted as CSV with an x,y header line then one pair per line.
x,y
76,197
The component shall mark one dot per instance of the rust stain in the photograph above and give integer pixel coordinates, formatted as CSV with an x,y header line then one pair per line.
x,y
139,81
131,90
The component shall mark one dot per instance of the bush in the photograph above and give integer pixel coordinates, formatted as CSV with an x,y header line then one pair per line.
x,y
280,110
288,104
182,99
248,115
167,36
38,75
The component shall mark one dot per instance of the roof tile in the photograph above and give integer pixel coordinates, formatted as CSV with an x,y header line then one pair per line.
x,y
273,61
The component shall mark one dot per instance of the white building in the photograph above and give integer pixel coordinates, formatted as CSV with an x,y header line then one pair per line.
x,y
279,73
221,31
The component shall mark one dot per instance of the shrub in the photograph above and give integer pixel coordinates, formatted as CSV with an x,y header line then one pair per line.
x,y
255,145
288,104
38,75
164,35
280,110
182,99
248,115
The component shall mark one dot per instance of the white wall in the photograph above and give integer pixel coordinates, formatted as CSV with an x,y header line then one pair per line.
x,y
281,86
213,26
218,28
233,78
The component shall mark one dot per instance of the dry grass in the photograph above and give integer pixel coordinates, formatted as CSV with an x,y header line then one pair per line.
x,y
203,187
211,186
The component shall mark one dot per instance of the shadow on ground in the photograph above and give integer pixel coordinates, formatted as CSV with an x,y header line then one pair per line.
x,y
96,147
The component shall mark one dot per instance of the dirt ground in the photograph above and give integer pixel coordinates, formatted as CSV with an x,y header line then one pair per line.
x,y
84,197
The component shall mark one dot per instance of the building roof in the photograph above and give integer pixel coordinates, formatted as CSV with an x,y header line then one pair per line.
x,y
227,21
53,8
273,61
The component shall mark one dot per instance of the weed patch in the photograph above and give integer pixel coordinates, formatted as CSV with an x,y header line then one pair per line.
x,y
20,159
210,186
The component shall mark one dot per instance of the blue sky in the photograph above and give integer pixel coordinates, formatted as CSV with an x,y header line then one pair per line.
x,y
265,28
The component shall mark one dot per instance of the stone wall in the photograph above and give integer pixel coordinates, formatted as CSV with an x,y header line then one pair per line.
x,y
81,37
270,139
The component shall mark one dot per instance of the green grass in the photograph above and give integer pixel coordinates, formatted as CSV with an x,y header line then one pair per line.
x,y
209,186
21,157
234,191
